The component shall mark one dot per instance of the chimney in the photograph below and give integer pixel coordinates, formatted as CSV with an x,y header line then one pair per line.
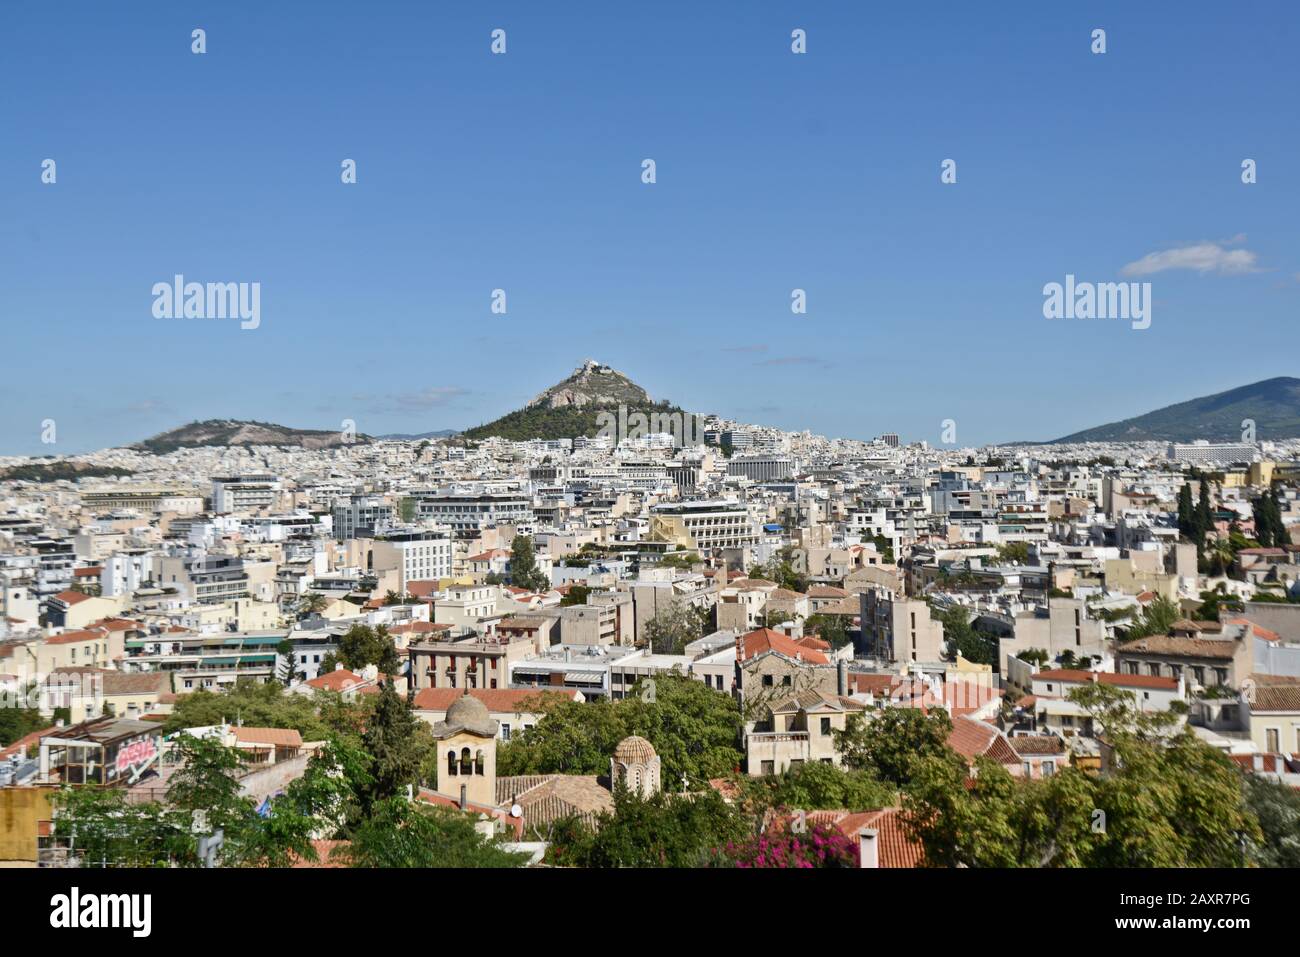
x,y
464,796
868,849
842,678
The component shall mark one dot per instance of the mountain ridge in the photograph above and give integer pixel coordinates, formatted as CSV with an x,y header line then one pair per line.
x,y
1273,405
572,407
241,432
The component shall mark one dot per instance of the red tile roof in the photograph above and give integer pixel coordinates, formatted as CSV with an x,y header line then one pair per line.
x,y
764,640
971,739
279,737
499,700
1078,676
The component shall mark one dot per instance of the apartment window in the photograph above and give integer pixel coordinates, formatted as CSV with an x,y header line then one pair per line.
x,y
768,767
505,732
1271,736
1049,768
767,681
1198,675
826,726
1027,768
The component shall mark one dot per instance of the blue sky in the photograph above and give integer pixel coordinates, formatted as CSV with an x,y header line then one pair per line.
x,y
775,171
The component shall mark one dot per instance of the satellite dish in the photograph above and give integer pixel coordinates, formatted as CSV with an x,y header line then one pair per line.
x,y
516,811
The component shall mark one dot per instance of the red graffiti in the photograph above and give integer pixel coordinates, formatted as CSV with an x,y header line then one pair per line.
x,y
138,752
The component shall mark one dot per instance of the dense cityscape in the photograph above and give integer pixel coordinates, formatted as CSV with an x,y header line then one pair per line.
x,y
760,648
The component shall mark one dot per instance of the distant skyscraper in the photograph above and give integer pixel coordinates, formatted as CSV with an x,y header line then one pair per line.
x,y
890,439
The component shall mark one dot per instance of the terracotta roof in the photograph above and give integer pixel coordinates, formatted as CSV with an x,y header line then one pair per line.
x,y
1077,676
813,642
143,682
71,597
544,798
1036,744
971,739
894,846
1270,698
441,800
72,637
279,737
826,591
338,680
499,700
1258,630
764,640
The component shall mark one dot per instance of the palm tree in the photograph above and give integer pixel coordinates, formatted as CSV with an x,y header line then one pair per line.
x,y
311,603
1221,554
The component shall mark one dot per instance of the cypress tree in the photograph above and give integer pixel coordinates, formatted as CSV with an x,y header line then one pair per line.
x,y
1185,511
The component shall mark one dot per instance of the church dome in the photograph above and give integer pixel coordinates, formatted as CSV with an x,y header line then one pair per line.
x,y
634,750
468,712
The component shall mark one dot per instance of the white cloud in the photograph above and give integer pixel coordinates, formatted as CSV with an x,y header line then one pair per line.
x,y
1204,257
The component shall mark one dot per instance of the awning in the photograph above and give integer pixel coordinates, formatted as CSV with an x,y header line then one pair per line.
x,y
584,678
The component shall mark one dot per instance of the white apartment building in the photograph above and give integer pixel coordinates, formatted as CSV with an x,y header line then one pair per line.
x,y
1201,452
704,524
238,493
468,513
125,573
762,468
416,554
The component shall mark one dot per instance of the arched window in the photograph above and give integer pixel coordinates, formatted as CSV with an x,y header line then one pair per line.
x,y
451,763
478,762
466,761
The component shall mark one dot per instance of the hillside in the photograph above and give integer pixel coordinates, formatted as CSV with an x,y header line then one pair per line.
x,y
572,407
1273,404
235,432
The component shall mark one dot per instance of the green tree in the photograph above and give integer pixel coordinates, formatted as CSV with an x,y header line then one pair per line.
x,y
694,729
390,738
1013,553
819,786
672,628
1156,619
287,669
663,830
18,722
311,603
829,628
524,572
261,705
576,595
362,645
964,640
401,833
1277,808
892,744
1186,512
